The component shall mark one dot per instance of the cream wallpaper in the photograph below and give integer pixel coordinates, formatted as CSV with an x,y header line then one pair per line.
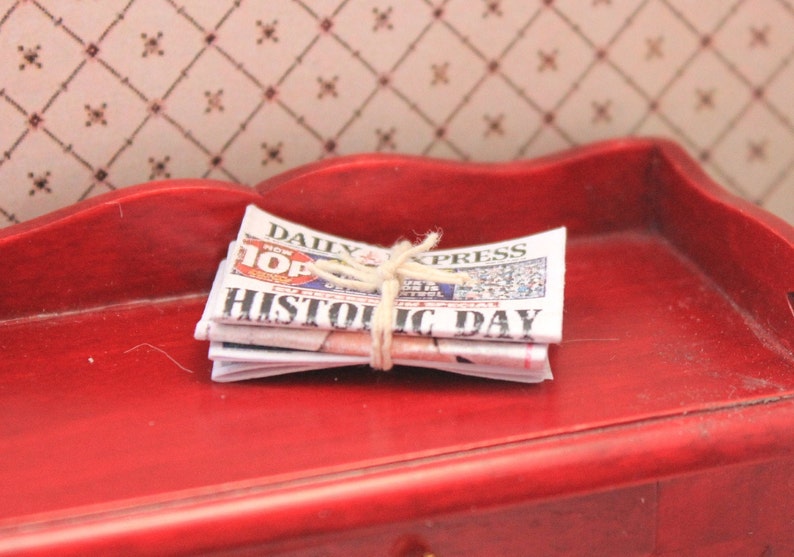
x,y
100,94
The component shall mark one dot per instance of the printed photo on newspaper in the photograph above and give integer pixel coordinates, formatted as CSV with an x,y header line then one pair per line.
x,y
268,313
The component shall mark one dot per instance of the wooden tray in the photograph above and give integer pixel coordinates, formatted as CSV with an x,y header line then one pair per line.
x,y
669,425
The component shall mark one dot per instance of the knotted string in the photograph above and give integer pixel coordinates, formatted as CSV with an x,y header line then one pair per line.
x,y
386,278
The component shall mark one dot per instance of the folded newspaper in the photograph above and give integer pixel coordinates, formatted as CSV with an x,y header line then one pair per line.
x,y
270,312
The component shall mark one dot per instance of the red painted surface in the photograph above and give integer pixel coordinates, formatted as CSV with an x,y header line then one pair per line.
x,y
669,427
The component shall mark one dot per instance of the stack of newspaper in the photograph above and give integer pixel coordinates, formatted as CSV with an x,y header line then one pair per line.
x,y
269,314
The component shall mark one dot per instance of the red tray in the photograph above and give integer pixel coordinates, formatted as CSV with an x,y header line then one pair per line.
x,y
669,424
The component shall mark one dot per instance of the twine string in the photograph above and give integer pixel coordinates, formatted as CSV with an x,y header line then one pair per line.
x,y
386,278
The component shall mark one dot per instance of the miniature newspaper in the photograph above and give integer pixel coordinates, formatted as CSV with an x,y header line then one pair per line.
x,y
268,313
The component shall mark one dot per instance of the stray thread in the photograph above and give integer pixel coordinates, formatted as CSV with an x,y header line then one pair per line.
x,y
161,351
121,213
386,278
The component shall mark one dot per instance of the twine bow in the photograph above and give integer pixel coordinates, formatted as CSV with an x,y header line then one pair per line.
x,y
386,278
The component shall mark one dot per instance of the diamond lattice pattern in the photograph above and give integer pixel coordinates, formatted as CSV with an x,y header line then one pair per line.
x,y
99,95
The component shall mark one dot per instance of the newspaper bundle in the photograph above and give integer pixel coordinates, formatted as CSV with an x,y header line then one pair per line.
x,y
269,314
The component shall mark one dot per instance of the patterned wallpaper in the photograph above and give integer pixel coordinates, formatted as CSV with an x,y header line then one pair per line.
x,y
100,94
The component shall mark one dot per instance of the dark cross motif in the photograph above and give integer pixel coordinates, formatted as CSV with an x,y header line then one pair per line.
x,y
151,45
386,139
35,121
159,167
548,60
494,125
759,37
756,150
492,7
214,101
155,107
601,112
95,115
41,182
327,87
440,73
705,99
654,45
30,56
382,19
272,153
267,31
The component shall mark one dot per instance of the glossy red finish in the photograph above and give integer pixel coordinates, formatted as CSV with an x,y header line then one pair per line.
x,y
144,242
668,430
